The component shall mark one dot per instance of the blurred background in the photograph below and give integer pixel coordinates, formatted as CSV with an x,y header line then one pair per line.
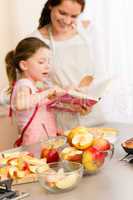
x,y
114,18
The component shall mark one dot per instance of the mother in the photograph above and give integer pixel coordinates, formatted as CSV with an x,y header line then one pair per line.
x,y
75,48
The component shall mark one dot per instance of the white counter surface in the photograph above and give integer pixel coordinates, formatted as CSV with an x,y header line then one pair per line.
x,y
114,182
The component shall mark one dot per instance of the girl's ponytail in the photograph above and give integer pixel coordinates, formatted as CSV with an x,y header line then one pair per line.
x,y
10,69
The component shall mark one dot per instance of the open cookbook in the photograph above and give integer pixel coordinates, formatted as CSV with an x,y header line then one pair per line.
x,y
87,98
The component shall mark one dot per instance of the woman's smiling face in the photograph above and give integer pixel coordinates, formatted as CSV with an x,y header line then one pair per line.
x,y
64,15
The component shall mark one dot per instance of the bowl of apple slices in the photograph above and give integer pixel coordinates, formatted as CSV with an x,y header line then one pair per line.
x,y
61,176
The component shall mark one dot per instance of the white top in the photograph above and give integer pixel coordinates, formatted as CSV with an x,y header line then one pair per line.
x,y
75,57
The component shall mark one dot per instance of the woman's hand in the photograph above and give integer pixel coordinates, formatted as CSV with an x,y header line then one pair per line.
x,y
85,110
82,110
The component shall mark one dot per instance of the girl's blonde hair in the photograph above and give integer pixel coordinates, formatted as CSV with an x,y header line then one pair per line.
x,y
24,50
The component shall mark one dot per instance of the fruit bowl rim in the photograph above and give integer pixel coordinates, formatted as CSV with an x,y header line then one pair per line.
x,y
43,142
79,170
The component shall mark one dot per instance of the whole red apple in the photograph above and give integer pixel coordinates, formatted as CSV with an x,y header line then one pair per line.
x,y
51,155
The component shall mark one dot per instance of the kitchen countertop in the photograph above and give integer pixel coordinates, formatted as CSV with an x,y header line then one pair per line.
x,y
114,182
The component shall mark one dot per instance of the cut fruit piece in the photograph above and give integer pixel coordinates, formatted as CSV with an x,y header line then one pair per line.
x,y
70,151
60,173
82,141
71,154
80,137
33,168
36,161
10,154
43,168
12,161
11,171
22,164
109,134
19,174
67,182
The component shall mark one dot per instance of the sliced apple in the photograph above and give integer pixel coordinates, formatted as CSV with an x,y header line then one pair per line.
x,y
33,168
82,141
12,171
19,173
34,161
80,137
10,154
60,173
43,168
72,154
12,161
67,182
22,164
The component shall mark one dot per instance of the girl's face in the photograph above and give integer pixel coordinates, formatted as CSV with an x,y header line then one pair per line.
x,y
64,16
37,67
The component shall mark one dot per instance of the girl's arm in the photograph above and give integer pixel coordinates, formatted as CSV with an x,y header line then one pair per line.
x,y
25,100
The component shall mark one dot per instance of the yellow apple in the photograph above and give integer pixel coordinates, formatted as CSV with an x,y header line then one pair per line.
x,y
93,159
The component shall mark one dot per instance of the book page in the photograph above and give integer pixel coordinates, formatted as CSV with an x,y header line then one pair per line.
x,y
95,91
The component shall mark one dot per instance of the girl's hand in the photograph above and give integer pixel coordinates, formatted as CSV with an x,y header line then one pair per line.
x,y
55,92
59,91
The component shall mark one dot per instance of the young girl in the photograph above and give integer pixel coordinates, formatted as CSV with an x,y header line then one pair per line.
x,y
26,65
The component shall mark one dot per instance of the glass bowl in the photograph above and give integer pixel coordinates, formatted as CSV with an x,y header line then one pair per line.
x,y
61,176
54,142
95,160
